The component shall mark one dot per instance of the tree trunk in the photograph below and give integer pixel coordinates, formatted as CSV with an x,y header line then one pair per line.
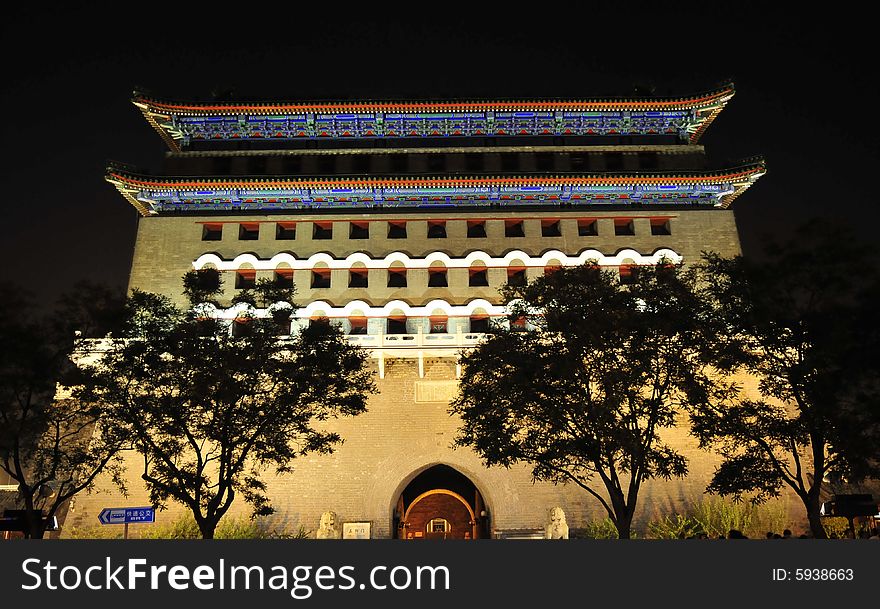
x,y
207,527
623,517
34,527
623,524
623,513
37,531
812,504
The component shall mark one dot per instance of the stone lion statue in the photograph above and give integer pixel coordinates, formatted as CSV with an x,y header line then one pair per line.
x,y
557,528
329,527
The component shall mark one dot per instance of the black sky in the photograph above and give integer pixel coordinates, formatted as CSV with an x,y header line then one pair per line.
x,y
806,95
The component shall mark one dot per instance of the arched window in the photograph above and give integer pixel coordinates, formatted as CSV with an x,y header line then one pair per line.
x,y
627,270
439,322
241,327
478,275
319,317
284,276
357,322
437,276
479,321
516,273
397,276
245,277
320,276
358,276
396,323
552,266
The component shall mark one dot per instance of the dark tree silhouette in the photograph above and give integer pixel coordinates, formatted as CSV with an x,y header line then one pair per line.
x,y
51,444
584,397
803,322
210,409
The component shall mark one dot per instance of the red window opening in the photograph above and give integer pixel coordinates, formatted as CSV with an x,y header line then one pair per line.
x,y
322,230
437,278
660,226
396,325
241,327
248,231
212,232
479,323
358,230
436,229
397,230
550,228
588,227
358,325
358,278
285,230
624,226
476,229
245,279
397,278
514,228
439,324
320,278
516,276
284,278
478,276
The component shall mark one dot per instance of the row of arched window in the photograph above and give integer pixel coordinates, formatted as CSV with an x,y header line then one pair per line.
x,y
397,276
396,323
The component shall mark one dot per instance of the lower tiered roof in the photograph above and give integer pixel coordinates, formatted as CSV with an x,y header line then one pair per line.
x,y
154,195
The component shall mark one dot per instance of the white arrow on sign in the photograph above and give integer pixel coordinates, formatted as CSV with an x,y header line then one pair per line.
x,y
112,516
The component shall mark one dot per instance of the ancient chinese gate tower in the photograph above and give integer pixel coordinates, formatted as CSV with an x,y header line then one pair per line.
x,y
400,221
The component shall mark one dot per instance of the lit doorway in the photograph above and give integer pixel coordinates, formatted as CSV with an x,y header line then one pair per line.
x,y
441,503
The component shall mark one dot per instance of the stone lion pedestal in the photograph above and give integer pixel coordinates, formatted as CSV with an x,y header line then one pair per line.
x,y
556,528
328,527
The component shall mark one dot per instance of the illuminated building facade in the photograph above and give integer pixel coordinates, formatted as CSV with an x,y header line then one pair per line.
x,y
400,222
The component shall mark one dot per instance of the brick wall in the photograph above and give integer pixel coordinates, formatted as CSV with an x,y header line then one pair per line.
x,y
398,438
402,435
167,246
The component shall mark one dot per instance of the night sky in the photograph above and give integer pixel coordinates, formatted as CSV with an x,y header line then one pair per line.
x,y
806,95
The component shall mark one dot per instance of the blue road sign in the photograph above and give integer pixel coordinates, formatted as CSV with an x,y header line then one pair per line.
x,y
127,515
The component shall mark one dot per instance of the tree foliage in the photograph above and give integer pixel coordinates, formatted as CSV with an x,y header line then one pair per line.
x,y
51,444
800,321
584,398
211,411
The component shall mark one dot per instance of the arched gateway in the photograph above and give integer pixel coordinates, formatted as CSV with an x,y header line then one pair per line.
x,y
440,503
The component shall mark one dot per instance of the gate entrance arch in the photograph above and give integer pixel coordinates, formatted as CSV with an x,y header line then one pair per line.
x,y
441,503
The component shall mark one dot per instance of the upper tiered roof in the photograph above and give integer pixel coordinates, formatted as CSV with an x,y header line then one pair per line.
x,y
181,124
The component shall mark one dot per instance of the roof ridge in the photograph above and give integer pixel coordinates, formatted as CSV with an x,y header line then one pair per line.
x,y
143,96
